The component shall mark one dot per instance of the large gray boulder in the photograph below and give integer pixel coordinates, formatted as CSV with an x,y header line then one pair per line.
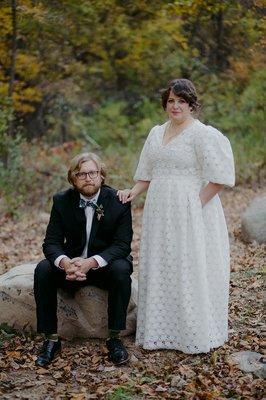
x,y
253,223
249,361
85,315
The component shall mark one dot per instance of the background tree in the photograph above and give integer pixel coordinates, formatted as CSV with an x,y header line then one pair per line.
x,y
89,72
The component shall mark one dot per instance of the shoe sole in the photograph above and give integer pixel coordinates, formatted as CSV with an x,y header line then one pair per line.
x,y
121,362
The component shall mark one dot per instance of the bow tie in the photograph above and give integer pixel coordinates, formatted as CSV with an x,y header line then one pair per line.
x,y
83,204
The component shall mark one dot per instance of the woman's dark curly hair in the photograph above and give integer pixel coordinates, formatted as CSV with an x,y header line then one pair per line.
x,y
182,88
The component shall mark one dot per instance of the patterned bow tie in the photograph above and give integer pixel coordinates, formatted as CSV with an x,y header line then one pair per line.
x,y
83,204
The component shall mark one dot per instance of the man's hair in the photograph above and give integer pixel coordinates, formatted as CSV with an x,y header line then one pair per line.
x,y
75,165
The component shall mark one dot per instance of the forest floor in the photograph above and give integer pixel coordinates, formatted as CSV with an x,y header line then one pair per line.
x,y
83,371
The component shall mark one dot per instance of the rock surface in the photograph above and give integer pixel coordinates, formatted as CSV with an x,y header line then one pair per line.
x,y
249,361
253,221
85,315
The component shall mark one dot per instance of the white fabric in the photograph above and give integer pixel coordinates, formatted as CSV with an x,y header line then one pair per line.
x,y
101,261
184,252
58,259
89,213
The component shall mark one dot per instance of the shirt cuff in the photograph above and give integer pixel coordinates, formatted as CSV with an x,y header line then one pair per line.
x,y
101,261
57,261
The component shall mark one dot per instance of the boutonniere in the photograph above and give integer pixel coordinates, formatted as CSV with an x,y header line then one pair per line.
x,y
99,211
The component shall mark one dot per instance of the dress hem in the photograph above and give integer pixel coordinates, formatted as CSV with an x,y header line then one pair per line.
x,y
170,347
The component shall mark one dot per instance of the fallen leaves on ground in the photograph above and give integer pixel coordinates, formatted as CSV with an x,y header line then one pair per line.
x,y
83,372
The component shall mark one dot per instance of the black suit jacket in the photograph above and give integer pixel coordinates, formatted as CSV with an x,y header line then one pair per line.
x,y
110,236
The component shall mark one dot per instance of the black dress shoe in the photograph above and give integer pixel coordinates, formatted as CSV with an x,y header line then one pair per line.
x,y
117,352
49,350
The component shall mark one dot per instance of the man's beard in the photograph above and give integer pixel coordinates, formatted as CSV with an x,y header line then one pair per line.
x,y
89,190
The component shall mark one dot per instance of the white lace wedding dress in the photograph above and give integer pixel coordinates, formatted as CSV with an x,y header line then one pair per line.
x,y
184,252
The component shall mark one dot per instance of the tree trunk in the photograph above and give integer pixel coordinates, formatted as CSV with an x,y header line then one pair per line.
x,y
13,47
220,51
13,60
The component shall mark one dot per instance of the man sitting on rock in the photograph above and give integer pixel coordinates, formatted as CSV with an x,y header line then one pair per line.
x,y
87,242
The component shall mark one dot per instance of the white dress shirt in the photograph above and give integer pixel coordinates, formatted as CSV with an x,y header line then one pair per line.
x,y
89,213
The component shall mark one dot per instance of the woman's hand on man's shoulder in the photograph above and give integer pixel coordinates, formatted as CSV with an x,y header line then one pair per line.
x,y
126,195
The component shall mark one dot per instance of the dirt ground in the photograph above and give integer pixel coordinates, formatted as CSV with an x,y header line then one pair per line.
x,y
83,371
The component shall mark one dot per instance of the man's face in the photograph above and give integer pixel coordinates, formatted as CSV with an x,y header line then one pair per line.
x,y
88,180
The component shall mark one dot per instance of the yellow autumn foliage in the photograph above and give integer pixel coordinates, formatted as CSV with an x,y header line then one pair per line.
x,y
3,88
27,66
4,55
109,45
5,21
25,98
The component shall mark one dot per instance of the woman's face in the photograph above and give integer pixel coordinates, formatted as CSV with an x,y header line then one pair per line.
x,y
177,108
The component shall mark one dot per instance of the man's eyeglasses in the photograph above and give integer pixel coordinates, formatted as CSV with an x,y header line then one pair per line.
x,y
83,175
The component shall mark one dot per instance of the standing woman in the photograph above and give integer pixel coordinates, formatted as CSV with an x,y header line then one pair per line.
x,y
184,251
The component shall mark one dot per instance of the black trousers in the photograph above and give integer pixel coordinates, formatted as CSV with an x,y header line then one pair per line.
x,y
115,278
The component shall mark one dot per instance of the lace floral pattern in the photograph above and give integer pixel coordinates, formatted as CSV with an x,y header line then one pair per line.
x,y
184,253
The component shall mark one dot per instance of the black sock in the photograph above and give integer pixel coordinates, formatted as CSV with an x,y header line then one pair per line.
x,y
52,336
113,334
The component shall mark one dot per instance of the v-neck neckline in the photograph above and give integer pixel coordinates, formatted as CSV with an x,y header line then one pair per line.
x,y
176,136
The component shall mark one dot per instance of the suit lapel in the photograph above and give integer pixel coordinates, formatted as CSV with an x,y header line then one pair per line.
x,y
79,214
103,200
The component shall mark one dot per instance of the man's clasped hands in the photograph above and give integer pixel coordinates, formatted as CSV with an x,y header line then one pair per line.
x,y
76,268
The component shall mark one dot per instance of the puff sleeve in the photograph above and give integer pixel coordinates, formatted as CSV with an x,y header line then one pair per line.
x,y
144,168
215,156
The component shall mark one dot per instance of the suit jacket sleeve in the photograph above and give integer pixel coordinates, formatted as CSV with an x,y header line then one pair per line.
x,y
121,243
53,245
